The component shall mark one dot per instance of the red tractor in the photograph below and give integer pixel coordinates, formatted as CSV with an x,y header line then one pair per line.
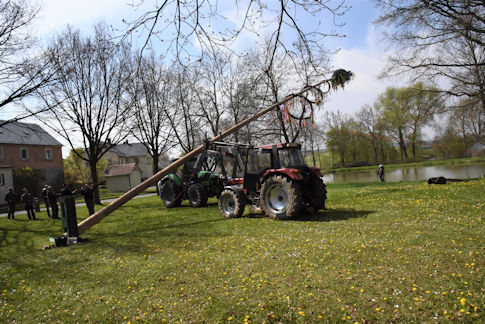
x,y
277,180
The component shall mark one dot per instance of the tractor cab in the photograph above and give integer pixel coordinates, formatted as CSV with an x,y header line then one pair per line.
x,y
286,159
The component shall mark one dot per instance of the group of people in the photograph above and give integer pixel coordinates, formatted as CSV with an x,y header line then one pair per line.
x,y
49,196
11,198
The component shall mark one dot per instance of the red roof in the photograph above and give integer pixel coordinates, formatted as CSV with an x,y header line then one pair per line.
x,y
120,170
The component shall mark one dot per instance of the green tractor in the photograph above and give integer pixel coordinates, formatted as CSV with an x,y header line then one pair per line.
x,y
198,180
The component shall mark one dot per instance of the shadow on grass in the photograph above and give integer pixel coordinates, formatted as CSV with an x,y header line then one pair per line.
x,y
330,215
21,234
158,228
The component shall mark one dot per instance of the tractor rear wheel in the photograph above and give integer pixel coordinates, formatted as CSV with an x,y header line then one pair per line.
x,y
168,193
197,195
319,194
231,204
281,198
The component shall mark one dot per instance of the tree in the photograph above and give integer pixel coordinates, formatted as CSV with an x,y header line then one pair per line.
x,y
22,72
210,75
243,101
438,39
184,122
423,101
392,104
368,119
405,111
89,97
26,177
188,27
469,121
77,172
339,133
151,92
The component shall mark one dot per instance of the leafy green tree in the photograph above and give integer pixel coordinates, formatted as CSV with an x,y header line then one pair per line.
x,y
26,177
76,170
406,110
423,102
395,112
338,134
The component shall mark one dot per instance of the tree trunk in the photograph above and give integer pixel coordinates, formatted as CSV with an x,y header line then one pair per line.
x,y
155,164
94,178
155,168
383,156
402,145
413,145
375,148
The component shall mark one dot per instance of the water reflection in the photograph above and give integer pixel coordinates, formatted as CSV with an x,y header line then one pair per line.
x,y
468,171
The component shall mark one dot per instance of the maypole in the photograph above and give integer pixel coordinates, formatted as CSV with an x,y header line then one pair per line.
x,y
298,106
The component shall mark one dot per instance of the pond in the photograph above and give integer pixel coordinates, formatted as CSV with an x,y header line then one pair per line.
x,y
409,174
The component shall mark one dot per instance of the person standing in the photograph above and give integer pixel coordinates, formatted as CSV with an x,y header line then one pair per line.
x,y
11,197
380,172
45,198
88,193
52,197
36,204
28,201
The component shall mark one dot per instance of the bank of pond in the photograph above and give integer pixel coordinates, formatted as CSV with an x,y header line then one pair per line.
x,y
409,173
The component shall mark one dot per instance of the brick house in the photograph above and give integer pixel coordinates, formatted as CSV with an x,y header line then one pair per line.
x,y
28,145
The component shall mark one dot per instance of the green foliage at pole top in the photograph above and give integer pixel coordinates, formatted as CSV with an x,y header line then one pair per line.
x,y
340,77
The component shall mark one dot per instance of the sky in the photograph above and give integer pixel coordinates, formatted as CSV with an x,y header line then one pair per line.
x,y
361,51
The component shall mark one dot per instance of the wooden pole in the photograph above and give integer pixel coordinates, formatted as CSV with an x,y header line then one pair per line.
x,y
98,216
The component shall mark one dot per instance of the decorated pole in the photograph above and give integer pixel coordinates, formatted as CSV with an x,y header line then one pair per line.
x,y
339,78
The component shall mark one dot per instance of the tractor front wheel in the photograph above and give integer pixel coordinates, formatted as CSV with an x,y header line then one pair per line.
x,y
168,193
197,195
231,204
281,198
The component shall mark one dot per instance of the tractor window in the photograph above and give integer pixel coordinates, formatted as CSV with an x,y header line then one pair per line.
x,y
258,161
290,157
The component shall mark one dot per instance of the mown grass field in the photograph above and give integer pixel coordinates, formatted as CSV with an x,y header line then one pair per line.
x,y
393,252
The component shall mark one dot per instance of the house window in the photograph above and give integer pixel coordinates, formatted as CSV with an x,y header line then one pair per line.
x,y
2,179
48,154
1,154
24,154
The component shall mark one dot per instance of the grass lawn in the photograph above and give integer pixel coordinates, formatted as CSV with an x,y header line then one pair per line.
x,y
393,252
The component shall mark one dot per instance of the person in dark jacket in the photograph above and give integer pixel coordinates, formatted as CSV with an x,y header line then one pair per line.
x,y
380,172
52,197
11,197
65,190
28,201
45,198
88,193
